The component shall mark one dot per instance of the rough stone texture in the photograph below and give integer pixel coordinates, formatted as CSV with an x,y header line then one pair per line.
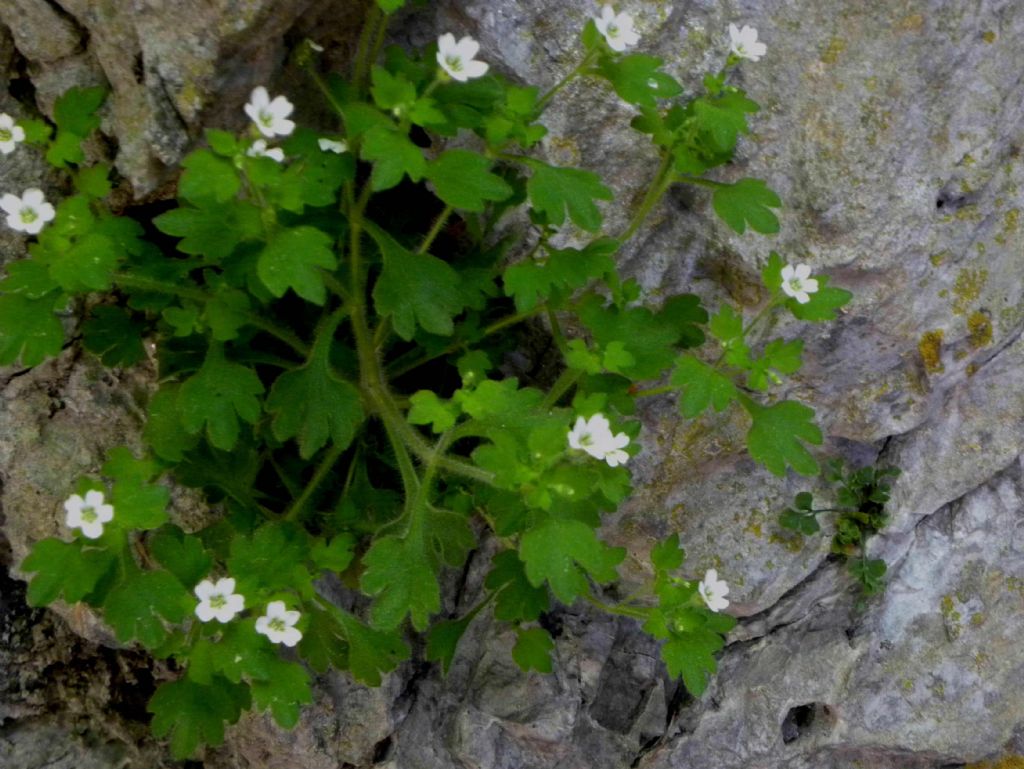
x,y
893,130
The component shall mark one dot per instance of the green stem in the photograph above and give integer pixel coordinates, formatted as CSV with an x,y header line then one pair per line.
x,y
435,230
363,50
544,100
498,325
652,391
625,611
662,181
158,286
565,380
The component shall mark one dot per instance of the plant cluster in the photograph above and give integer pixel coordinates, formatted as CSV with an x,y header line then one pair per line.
x,y
331,371
861,495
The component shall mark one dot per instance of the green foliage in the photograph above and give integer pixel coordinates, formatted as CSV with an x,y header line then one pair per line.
x,y
193,714
861,496
747,203
341,376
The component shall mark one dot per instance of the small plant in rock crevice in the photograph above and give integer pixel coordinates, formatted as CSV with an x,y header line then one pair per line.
x,y
330,371
861,496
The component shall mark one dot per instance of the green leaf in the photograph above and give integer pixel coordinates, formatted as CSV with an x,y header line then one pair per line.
x,y
163,430
402,581
463,180
722,119
518,600
555,192
273,558
415,289
638,79
138,504
71,569
823,304
371,652
701,386
75,115
390,6
323,643
183,555
88,265
194,714
428,409
29,330
870,573
94,181
691,657
803,501
393,156
533,650
443,640
335,555
771,273
748,201
803,523
391,91
283,692
115,335
652,338
778,433
217,396
291,260
726,325
208,179
779,355
28,277
562,551
667,555
213,231
135,607
564,270
313,405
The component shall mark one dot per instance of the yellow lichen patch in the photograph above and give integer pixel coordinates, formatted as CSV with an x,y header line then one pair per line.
x,y
793,544
939,258
930,348
1008,762
831,53
1011,223
979,328
912,23
989,36
967,289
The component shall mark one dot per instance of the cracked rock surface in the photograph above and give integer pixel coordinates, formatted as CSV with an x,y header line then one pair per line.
x,y
893,130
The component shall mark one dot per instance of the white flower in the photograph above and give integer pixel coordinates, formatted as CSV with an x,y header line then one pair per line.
x,y
29,213
456,58
743,43
278,624
88,514
714,591
10,134
333,145
617,30
259,149
594,436
218,601
798,283
270,117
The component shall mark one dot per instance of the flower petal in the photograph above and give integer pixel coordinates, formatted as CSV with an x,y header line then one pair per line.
x,y
446,44
225,585
291,617
11,204
33,197
281,107
259,97
467,48
205,612
474,69
235,602
803,271
94,498
92,529
204,590
291,636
